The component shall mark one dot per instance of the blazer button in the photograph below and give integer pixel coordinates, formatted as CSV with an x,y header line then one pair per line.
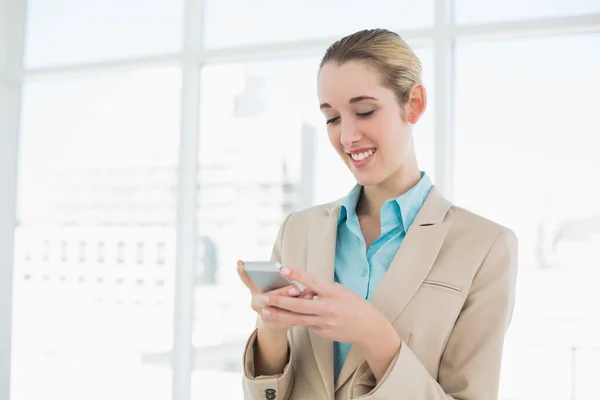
x,y
270,394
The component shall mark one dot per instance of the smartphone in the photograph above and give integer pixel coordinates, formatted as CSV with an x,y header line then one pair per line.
x,y
266,275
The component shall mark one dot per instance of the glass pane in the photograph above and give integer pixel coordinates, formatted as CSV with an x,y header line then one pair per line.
x,y
475,11
95,240
526,156
261,135
252,123
268,21
74,31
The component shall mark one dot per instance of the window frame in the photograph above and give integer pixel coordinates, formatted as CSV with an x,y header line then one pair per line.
x,y
442,37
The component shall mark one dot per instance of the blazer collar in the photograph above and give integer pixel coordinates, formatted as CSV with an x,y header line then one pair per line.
x,y
433,211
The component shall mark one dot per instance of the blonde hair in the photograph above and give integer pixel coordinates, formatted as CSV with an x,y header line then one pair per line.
x,y
399,66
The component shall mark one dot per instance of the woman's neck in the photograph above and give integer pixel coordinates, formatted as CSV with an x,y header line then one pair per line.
x,y
374,196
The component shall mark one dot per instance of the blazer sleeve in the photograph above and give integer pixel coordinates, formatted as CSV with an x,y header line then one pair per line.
x,y
470,365
259,387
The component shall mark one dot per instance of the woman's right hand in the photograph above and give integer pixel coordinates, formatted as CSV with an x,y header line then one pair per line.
x,y
258,304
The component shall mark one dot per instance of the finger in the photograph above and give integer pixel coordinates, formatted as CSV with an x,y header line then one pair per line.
x,y
307,279
260,300
246,278
290,290
296,305
271,314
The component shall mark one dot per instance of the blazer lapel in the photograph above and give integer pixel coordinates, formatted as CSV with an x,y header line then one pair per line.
x,y
408,269
320,262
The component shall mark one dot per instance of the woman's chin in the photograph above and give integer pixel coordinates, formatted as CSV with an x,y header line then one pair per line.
x,y
365,179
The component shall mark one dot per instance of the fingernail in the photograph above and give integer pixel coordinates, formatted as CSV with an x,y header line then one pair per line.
x,y
264,299
285,271
266,312
293,291
308,296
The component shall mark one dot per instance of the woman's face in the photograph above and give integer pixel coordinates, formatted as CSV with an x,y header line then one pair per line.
x,y
364,120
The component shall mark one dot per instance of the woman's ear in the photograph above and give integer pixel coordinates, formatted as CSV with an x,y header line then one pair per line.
x,y
417,103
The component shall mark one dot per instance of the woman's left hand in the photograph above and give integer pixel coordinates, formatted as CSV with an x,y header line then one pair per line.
x,y
337,314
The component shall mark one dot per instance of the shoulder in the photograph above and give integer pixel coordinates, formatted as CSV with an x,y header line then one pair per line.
x,y
469,232
315,214
475,226
298,227
298,224
493,246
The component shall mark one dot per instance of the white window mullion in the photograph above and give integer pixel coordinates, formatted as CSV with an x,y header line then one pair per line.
x,y
12,27
183,351
444,96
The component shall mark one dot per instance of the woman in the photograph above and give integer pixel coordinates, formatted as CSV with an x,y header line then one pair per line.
x,y
409,296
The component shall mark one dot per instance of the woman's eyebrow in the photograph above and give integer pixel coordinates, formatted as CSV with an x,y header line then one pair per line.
x,y
352,101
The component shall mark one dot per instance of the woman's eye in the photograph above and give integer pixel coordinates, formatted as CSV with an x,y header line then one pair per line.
x,y
335,120
363,115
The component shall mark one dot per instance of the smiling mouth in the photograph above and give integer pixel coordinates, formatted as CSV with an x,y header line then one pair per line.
x,y
363,155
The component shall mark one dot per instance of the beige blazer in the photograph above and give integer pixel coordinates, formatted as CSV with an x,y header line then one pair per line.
x,y
449,293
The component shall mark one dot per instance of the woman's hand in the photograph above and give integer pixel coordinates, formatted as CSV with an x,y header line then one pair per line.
x,y
337,313
258,299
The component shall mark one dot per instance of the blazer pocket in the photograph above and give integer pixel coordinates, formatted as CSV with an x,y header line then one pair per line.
x,y
442,286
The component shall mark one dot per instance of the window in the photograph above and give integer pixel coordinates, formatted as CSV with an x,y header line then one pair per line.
x,y
74,31
120,252
266,21
64,248
245,106
81,137
474,11
101,254
525,141
140,252
81,252
160,253
95,243
47,250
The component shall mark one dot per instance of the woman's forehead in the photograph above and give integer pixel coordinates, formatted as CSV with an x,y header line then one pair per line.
x,y
340,83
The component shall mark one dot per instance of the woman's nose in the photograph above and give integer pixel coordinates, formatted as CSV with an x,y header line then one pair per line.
x,y
349,134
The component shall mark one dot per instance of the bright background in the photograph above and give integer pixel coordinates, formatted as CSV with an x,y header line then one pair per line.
x,y
148,145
